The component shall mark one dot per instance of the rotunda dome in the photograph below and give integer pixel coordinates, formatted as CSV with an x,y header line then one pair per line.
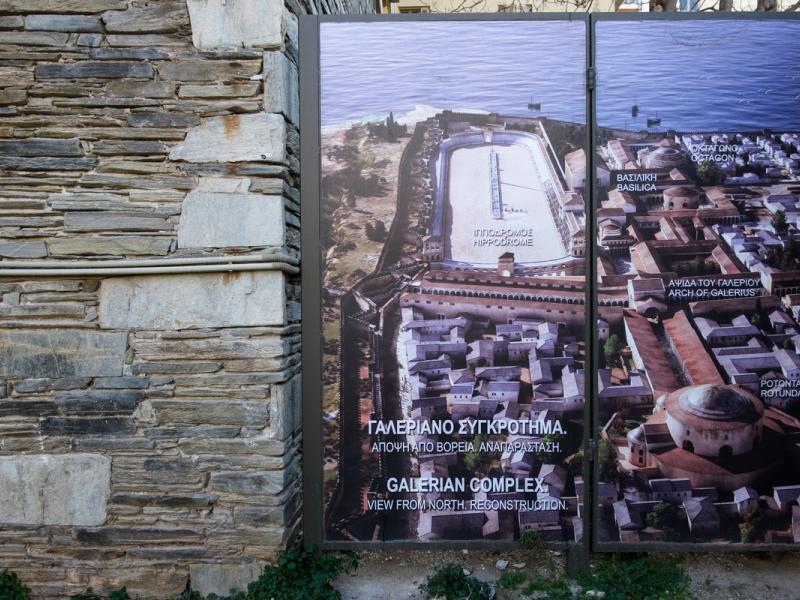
x,y
720,403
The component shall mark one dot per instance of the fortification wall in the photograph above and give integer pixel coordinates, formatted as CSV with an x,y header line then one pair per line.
x,y
149,388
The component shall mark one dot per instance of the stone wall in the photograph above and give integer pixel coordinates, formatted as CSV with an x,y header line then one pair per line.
x,y
149,408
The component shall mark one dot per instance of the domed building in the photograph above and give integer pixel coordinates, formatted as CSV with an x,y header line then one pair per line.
x,y
715,420
681,196
665,155
715,435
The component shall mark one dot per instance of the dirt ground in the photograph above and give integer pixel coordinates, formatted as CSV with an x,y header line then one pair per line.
x,y
397,575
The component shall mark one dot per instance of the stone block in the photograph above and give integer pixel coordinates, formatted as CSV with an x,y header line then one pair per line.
x,y
91,40
177,367
11,23
60,309
128,148
98,402
41,147
190,301
70,489
163,119
222,579
208,70
109,536
234,138
171,500
87,426
248,23
67,23
285,408
214,412
16,77
117,245
34,38
224,185
259,516
141,89
32,386
281,86
43,163
22,249
89,69
140,579
259,348
162,183
219,90
61,353
173,553
60,6
122,383
113,221
229,447
70,383
214,220
27,408
248,482
9,97
147,40
164,16
292,37
173,432
129,54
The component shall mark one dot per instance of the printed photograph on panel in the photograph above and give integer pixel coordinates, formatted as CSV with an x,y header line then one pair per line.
x,y
698,165
453,212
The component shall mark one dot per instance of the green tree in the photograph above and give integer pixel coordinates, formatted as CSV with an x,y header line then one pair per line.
x,y
376,232
551,457
708,173
698,265
380,230
11,587
666,517
391,128
789,256
574,463
477,461
612,349
752,529
779,222
607,459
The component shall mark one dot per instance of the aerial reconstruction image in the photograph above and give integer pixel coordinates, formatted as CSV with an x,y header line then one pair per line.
x,y
454,279
698,278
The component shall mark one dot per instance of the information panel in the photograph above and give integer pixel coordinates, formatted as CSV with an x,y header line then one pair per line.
x,y
452,169
698,281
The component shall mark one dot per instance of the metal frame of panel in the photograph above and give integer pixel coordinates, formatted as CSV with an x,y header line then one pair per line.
x,y
672,547
313,509
313,516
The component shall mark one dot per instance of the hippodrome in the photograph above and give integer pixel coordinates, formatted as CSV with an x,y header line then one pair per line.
x,y
497,177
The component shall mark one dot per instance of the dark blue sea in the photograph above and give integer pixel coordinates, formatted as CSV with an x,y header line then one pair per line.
x,y
700,75
374,68
709,75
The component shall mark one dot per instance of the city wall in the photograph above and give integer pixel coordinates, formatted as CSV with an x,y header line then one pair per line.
x,y
149,291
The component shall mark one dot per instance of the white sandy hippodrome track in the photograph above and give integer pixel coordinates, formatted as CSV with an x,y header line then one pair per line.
x,y
468,203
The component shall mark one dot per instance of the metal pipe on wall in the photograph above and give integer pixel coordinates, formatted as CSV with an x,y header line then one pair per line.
x,y
149,262
150,270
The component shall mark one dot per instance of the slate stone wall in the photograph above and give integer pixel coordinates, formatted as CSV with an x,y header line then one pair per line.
x,y
149,420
